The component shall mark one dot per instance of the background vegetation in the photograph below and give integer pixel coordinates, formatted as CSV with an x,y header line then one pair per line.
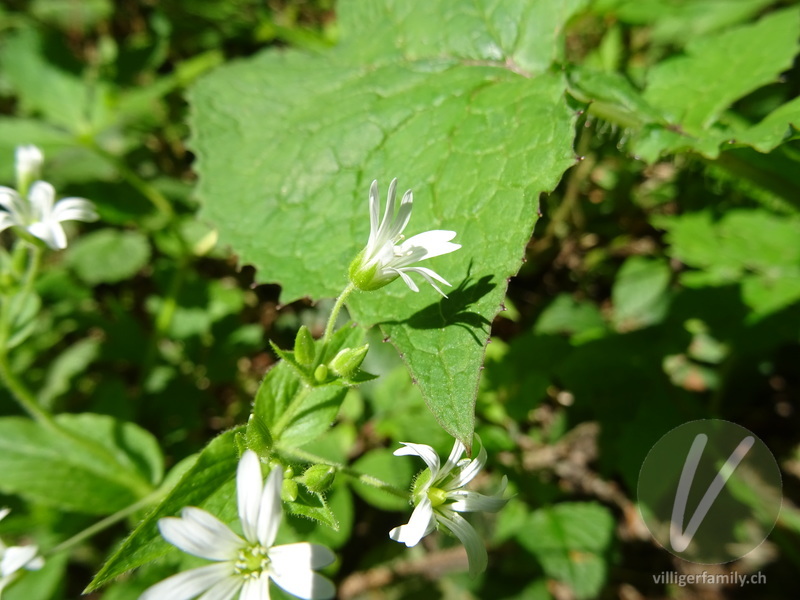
x,y
661,284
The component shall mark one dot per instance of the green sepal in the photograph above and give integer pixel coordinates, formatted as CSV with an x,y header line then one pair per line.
x,y
304,349
319,478
258,437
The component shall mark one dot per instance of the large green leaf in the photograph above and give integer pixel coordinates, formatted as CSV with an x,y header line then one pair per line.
x,y
206,478
456,101
93,464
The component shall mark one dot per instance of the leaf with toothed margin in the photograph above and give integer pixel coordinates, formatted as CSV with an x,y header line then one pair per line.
x,y
458,102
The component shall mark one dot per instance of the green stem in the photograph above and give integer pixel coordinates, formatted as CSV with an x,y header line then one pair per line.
x,y
19,390
304,456
22,394
335,311
107,522
158,199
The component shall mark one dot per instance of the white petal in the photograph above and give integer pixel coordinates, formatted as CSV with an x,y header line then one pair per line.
x,y
4,513
425,452
429,276
249,486
476,552
311,556
7,220
456,453
403,215
467,501
374,212
50,232
469,472
13,203
189,584
381,236
269,512
15,558
429,244
42,196
256,589
74,209
304,583
223,590
201,534
421,524
407,280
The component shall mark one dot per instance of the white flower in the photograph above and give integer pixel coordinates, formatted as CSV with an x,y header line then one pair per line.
x,y
41,215
14,558
439,497
383,260
243,565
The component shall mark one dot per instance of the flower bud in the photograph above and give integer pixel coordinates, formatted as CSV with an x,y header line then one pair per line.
x,y
321,373
348,360
29,161
289,490
304,347
319,478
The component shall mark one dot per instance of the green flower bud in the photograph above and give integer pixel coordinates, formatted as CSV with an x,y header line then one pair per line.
x,y
289,490
321,373
304,347
366,276
319,478
258,437
348,360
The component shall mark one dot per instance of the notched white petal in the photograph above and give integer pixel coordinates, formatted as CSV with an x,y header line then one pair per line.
x,y
249,486
269,512
16,558
189,584
476,552
422,522
424,451
201,534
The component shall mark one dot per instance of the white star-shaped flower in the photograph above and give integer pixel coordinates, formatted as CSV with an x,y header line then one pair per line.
x,y
384,259
439,496
41,215
243,566
14,558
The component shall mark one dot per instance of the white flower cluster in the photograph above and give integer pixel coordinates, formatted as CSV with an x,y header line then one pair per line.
x,y
33,205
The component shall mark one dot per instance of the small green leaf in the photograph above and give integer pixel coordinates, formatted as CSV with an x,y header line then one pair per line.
x,y
108,255
215,466
570,541
640,293
292,410
312,506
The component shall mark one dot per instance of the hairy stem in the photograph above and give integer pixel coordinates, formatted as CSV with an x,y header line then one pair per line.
x,y
336,310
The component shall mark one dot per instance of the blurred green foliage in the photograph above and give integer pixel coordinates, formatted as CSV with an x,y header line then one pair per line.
x,y
661,285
